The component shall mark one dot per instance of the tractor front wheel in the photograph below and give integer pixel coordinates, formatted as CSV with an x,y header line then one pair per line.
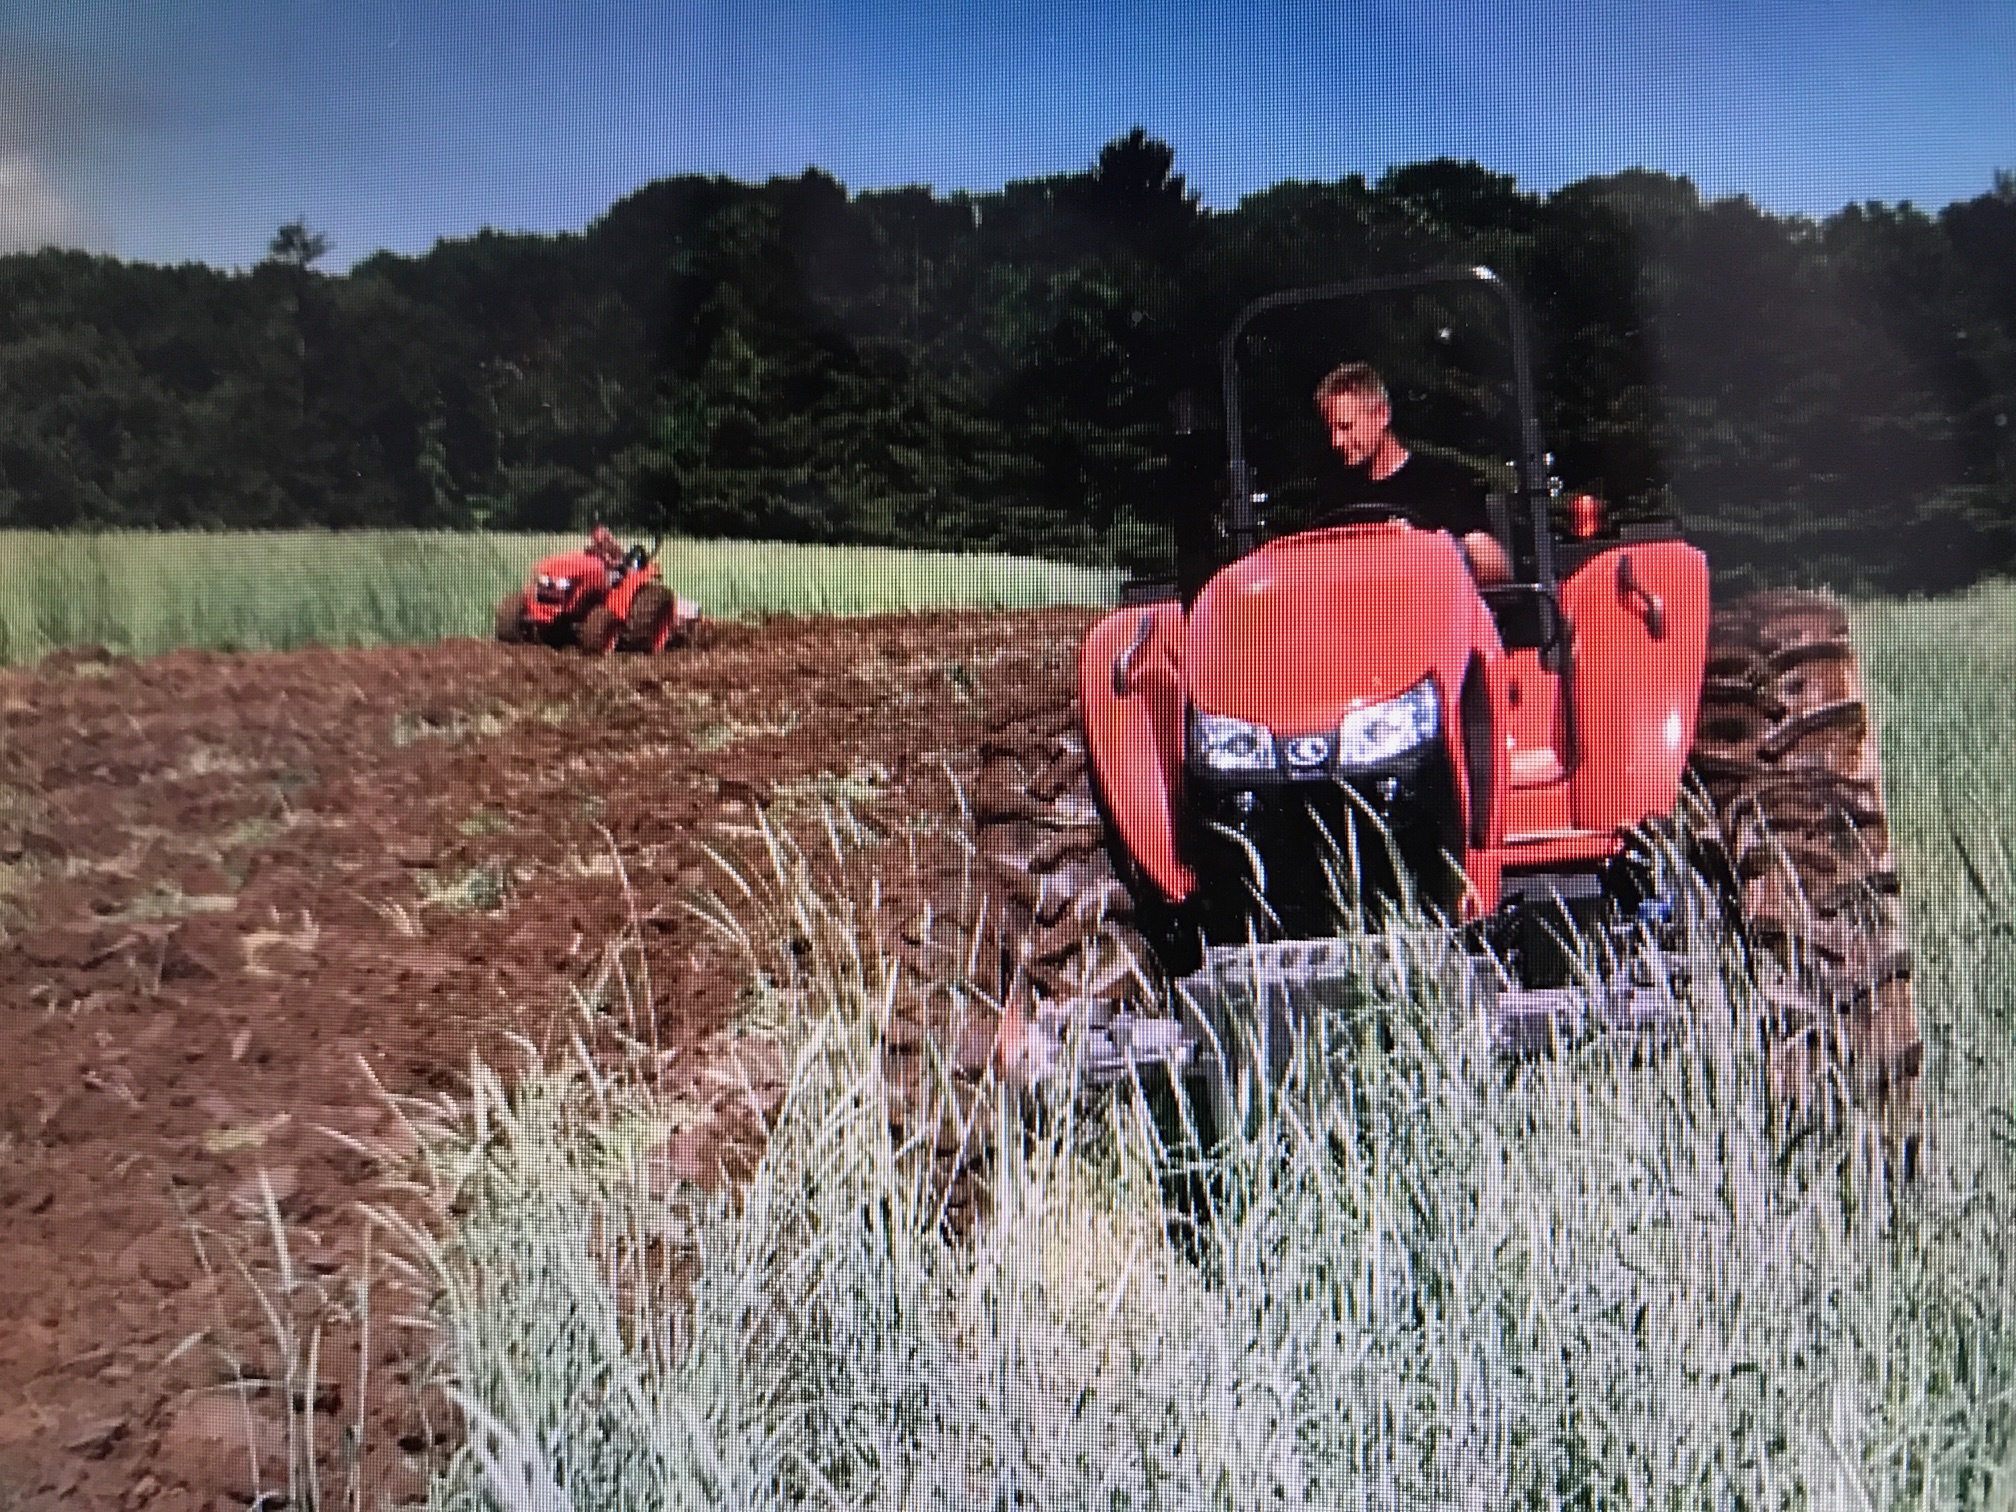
x,y
599,630
514,625
650,623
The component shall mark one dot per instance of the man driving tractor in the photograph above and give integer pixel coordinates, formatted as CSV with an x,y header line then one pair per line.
x,y
1379,469
605,548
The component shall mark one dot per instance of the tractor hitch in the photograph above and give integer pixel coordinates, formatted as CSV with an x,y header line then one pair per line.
x,y
1533,1020
1252,1003
1112,1045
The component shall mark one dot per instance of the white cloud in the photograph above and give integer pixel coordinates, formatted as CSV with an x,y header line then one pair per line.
x,y
32,212
66,115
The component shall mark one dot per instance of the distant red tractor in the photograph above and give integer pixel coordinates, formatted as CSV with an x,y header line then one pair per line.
x,y
601,605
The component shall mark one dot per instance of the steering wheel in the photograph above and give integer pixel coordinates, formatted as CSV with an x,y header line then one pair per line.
x,y
1365,514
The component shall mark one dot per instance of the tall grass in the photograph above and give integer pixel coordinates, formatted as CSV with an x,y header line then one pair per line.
x,y
1423,1277
146,593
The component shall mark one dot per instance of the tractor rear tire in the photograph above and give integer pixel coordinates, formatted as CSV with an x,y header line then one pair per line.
x,y
514,625
1786,752
650,621
599,630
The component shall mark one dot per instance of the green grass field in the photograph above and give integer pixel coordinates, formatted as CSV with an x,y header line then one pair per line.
x,y
140,594
1602,1280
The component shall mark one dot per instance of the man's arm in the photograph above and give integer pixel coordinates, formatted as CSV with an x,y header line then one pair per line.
x,y
1488,562
1449,497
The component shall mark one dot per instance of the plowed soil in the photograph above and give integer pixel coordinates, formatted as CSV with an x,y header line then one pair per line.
x,y
227,883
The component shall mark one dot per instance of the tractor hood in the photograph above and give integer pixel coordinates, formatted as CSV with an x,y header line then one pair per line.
x,y
572,565
1314,624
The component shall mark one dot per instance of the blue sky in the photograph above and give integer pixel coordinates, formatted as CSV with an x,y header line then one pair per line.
x,y
178,129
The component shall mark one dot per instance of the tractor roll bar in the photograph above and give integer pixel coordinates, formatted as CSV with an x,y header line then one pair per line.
x,y
1532,462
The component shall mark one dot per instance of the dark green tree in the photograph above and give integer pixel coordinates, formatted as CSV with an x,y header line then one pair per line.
x,y
1816,397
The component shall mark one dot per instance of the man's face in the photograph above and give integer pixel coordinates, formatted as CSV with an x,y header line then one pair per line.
x,y
1357,424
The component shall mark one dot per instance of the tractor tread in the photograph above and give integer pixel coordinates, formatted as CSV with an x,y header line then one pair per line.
x,y
599,630
651,611
514,628
1787,753
1065,917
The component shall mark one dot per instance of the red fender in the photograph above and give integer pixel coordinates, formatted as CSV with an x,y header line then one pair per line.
x,y
1640,613
626,590
1130,686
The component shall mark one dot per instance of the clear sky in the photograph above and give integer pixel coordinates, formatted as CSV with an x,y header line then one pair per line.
x,y
176,129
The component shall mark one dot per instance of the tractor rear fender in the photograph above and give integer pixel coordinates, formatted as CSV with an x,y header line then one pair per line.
x,y
626,590
1130,682
1640,613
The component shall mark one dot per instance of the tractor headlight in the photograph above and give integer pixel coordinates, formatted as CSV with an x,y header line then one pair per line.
x,y
563,584
1222,744
1374,736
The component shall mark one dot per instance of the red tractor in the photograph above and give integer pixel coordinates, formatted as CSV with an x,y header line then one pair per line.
x,y
1345,698
598,603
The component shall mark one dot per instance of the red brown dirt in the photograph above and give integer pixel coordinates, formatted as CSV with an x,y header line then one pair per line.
x,y
227,882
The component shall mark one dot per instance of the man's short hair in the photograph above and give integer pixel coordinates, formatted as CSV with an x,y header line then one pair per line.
x,y
1359,378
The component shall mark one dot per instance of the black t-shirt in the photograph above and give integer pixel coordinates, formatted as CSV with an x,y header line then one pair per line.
x,y
1438,494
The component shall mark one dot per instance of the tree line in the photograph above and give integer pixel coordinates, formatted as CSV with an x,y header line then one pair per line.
x,y
1813,397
